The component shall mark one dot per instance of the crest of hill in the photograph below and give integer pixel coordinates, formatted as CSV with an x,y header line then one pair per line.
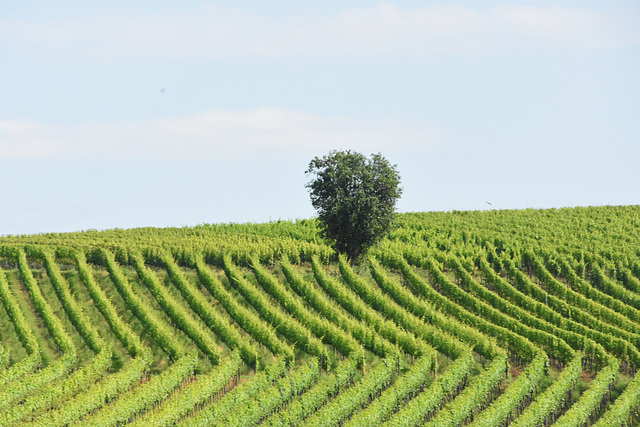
x,y
570,228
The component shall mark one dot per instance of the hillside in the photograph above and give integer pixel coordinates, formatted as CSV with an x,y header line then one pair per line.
x,y
523,317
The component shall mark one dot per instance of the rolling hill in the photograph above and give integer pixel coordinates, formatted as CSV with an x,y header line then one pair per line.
x,y
485,318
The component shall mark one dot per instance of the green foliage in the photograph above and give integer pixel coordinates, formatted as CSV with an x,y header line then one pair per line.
x,y
355,197
327,387
356,396
25,335
196,393
466,318
262,404
410,383
243,393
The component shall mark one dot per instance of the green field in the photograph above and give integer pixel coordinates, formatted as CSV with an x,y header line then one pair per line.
x,y
486,318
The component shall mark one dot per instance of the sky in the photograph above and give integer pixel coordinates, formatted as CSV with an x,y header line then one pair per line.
x,y
120,114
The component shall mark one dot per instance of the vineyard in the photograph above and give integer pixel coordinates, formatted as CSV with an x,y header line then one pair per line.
x,y
494,318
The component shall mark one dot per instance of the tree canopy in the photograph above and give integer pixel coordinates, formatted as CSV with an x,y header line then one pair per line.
x,y
355,198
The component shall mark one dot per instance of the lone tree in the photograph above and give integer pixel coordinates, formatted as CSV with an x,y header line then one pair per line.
x,y
355,198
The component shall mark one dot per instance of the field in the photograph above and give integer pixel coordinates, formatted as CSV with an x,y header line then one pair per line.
x,y
522,318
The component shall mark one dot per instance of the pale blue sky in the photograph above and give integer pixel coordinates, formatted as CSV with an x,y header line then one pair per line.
x,y
165,113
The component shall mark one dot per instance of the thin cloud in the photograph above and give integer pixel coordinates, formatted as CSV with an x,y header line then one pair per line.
x,y
215,32
213,134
